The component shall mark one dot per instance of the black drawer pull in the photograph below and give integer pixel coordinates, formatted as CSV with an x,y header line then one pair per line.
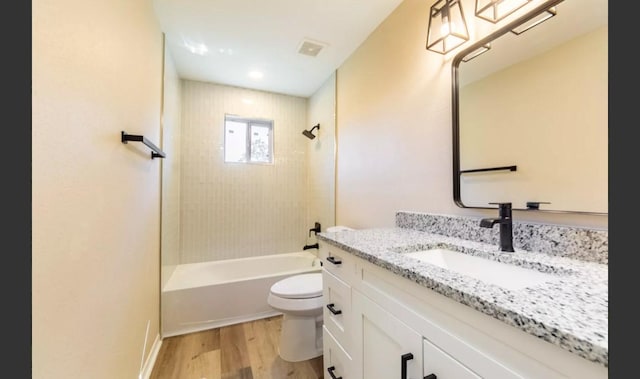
x,y
333,310
403,364
333,260
331,370
431,376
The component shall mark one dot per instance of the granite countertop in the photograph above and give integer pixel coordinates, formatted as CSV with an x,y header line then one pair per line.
x,y
570,311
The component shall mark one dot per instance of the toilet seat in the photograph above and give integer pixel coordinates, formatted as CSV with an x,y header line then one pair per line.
x,y
303,286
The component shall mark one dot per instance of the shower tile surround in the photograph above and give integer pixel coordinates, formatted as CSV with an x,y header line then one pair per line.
x,y
571,312
235,210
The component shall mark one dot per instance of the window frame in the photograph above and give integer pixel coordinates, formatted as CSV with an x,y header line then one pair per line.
x,y
249,122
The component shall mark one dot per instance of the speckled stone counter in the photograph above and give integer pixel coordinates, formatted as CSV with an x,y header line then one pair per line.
x,y
563,241
571,311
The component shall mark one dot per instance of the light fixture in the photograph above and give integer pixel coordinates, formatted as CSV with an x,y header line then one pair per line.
x,y
255,74
480,50
196,47
496,10
538,19
447,26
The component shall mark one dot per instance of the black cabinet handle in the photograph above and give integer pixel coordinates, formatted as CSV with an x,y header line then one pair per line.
x,y
431,376
331,370
333,260
333,310
403,364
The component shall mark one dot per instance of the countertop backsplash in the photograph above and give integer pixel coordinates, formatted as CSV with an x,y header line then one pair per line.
x,y
583,244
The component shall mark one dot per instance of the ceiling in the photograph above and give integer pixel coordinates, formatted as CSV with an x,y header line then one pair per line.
x,y
221,41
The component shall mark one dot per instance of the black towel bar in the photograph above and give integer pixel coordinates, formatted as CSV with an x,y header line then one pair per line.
x,y
156,153
510,168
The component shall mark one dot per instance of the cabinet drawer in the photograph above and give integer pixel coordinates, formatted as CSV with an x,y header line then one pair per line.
x,y
338,262
337,363
442,365
337,308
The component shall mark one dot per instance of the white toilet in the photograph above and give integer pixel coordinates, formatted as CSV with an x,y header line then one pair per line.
x,y
299,298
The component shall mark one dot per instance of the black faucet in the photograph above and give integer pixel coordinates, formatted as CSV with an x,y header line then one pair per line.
x,y
314,246
506,226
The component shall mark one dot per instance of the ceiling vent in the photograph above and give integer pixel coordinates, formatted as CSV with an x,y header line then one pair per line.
x,y
310,47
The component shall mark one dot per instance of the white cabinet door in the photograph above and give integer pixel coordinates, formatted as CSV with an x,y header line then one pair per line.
x,y
337,310
387,347
337,363
443,366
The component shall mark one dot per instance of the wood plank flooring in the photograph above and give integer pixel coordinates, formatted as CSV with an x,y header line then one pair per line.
x,y
241,351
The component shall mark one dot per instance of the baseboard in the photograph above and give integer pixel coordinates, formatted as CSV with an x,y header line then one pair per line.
x,y
212,324
151,360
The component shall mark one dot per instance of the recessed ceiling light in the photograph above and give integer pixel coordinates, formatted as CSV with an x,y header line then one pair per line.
x,y
196,47
255,74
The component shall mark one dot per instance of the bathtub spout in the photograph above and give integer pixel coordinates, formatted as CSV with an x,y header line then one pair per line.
x,y
307,247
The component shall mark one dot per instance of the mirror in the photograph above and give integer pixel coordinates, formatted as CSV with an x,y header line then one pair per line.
x,y
530,114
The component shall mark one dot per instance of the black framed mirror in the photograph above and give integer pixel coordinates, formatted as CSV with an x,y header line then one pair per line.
x,y
530,112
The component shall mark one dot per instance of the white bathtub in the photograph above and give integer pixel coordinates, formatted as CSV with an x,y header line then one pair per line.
x,y
207,295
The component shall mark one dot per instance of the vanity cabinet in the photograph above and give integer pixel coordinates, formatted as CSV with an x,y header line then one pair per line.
x,y
388,346
338,270
337,363
388,321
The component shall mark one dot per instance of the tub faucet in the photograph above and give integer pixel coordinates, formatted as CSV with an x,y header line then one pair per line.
x,y
314,246
506,226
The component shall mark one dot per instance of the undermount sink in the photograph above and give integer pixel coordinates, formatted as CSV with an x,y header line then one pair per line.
x,y
501,274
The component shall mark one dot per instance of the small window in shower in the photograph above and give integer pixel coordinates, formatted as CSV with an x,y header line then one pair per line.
x,y
248,140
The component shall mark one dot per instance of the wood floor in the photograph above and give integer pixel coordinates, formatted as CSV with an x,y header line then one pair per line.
x,y
242,351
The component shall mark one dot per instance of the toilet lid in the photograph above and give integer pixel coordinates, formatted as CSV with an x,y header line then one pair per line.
x,y
301,286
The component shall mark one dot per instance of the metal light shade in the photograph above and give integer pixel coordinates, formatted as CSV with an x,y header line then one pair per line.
x,y
538,19
496,10
447,26
477,52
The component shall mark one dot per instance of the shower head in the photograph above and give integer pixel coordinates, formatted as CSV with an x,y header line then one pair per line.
x,y
309,133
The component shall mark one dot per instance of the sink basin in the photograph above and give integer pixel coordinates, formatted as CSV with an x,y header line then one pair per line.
x,y
501,274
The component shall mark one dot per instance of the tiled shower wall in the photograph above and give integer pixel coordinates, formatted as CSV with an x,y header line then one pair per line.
x,y
234,210
170,227
321,157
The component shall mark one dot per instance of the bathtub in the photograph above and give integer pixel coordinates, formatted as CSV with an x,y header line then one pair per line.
x,y
200,296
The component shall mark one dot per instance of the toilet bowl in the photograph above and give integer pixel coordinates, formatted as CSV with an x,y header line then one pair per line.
x,y
300,300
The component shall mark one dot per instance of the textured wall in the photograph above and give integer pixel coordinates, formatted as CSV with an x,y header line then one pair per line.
x,y
232,210
97,70
394,126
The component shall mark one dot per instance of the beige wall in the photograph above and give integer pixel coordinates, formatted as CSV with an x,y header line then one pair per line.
x,y
95,201
170,243
232,210
560,148
394,126
321,110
